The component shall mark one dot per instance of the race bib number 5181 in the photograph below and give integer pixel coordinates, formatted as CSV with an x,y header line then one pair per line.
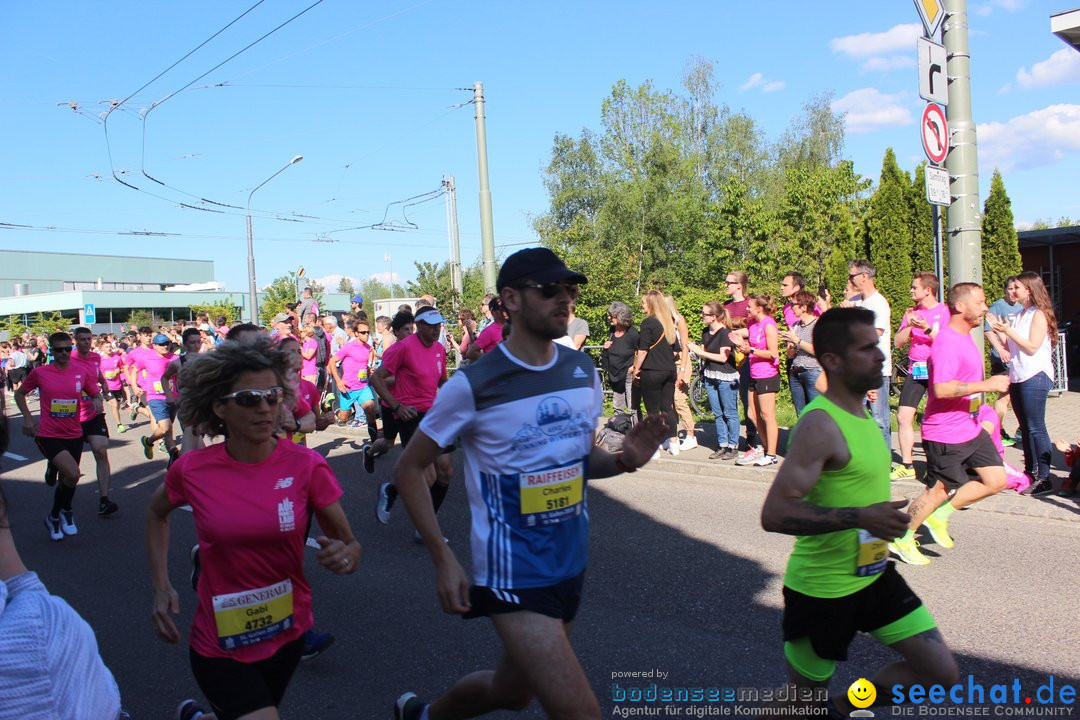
x,y
553,495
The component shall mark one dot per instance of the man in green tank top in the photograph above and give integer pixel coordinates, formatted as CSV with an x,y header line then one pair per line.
x,y
832,493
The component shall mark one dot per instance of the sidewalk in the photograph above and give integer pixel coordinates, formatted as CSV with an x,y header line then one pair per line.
x,y
1062,420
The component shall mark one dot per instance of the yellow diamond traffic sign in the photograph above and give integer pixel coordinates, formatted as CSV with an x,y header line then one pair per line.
x,y
932,13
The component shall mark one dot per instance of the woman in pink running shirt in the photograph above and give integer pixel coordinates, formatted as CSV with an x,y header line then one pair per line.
x,y
250,496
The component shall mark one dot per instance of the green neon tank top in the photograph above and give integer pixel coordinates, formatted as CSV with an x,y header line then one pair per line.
x,y
824,565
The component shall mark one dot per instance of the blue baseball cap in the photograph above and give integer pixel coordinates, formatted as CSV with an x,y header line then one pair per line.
x,y
161,339
358,299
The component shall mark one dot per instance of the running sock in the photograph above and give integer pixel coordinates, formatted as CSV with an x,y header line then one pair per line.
x,y
438,494
62,498
944,512
909,536
391,491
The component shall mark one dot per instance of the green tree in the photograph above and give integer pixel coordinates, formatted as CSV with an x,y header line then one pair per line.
x,y
277,295
345,285
889,236
1000,246
145,318
434,279
217,308
922,223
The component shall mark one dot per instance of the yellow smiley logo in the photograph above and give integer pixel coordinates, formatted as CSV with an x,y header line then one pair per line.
x,y
862,693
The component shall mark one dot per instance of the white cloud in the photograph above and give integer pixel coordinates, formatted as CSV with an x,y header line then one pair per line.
x,y
758,80
1059,69
868,45
988,8
868,109
752,82
1039,138
891,62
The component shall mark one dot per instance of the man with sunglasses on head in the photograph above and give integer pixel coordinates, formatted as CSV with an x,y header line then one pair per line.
x,y
525,415
418,366
59,435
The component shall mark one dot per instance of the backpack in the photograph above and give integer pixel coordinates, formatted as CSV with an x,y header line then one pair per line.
x,y
613,433
322,349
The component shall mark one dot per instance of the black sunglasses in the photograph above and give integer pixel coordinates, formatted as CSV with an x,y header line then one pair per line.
x,y
60,349
551,289
855,275
251,398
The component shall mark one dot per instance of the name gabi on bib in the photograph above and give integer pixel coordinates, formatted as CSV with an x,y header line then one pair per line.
x,y
252,616
552,496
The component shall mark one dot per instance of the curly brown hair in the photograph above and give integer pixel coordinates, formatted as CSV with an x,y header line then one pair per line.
x,y
208,376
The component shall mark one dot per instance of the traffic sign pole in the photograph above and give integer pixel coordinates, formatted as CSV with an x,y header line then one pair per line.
x,y
964,217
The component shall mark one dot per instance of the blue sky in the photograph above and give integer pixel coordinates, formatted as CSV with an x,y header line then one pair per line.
x,y
370,94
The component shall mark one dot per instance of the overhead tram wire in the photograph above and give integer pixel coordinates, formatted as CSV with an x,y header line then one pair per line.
x,y
105,120
161,102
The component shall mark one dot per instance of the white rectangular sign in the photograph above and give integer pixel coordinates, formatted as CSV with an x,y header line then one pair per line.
x,y
933,78
937,186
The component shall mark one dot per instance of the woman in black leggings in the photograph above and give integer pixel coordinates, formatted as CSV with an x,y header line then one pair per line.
x,y
654,363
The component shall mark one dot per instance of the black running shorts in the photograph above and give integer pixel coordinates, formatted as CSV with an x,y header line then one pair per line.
x,y
50,447
831,623
765,386
559,601
95,426
911,394
949,462
235,689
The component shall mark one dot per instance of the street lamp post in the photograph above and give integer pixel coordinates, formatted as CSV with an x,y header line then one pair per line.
x,y
253,300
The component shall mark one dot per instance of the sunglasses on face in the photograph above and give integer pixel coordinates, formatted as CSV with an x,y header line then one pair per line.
x,y
855,275
551,289
60,349
251,398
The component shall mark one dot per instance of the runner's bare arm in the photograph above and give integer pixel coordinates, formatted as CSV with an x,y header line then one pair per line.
x,y
29,422
166,601
956,388
816,445
451,582
339,550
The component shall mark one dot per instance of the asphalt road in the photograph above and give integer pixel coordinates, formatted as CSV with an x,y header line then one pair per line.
x,y
682,581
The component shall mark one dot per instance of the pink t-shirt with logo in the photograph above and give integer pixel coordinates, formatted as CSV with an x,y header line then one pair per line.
x,y
762,367
112,367
92,361
60,391
251,523
953,356
920,342
309,367
417,371
489,337
354,359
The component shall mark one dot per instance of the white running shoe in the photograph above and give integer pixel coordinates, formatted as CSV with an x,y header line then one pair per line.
x,y
750,456
765,460
688,444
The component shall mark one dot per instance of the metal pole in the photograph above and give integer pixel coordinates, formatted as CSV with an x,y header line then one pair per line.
x,y
965,221
939,269
487,232
253,297
455,240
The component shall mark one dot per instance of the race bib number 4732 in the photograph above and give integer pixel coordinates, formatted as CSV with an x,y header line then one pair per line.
x,y
553,495
252,616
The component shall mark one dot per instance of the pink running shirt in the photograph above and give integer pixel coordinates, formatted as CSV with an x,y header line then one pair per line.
x,y
93,362
353,359
309,367
149,367
60,391
251,523
489,337
953,356
920,342
762,367
112,367
417,371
